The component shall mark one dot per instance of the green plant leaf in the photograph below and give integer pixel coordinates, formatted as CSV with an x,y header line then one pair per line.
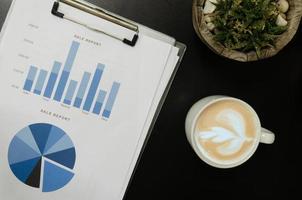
x,y
246,25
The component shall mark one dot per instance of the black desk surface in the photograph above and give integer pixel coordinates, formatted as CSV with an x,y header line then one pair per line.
x,y
169,169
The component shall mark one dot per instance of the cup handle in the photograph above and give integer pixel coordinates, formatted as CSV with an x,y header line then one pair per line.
x,y
267,137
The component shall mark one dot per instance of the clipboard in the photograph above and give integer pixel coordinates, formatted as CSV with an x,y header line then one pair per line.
x,y
137,28
131,42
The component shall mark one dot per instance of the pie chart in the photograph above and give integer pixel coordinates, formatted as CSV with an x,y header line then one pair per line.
x,y
42,156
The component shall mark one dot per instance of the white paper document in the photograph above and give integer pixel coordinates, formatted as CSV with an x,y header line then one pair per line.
x,y
76,105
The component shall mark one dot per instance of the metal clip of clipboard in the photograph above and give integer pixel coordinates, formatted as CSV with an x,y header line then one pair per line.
x,y
98,13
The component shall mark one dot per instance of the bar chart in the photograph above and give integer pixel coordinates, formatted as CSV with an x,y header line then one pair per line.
x,y
84,94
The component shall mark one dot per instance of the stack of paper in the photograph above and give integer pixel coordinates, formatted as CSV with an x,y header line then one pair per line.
x,y
76,105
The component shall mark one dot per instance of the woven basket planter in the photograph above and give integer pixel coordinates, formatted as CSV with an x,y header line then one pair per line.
x,y
293,17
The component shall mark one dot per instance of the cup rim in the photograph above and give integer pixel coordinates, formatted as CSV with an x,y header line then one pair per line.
x,y
251,151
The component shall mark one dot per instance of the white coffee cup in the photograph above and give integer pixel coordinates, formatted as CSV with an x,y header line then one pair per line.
x,y
262,135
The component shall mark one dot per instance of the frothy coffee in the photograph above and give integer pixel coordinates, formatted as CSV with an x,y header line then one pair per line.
x,y
226,131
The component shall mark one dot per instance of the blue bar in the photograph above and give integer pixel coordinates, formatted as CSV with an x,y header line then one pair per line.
x,y
66,71
112,97
99,102
30,78
82,90
93,87
40,82
52,79
70,92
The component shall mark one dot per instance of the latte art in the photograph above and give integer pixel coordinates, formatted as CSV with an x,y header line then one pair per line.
x,y
220,135
225,131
